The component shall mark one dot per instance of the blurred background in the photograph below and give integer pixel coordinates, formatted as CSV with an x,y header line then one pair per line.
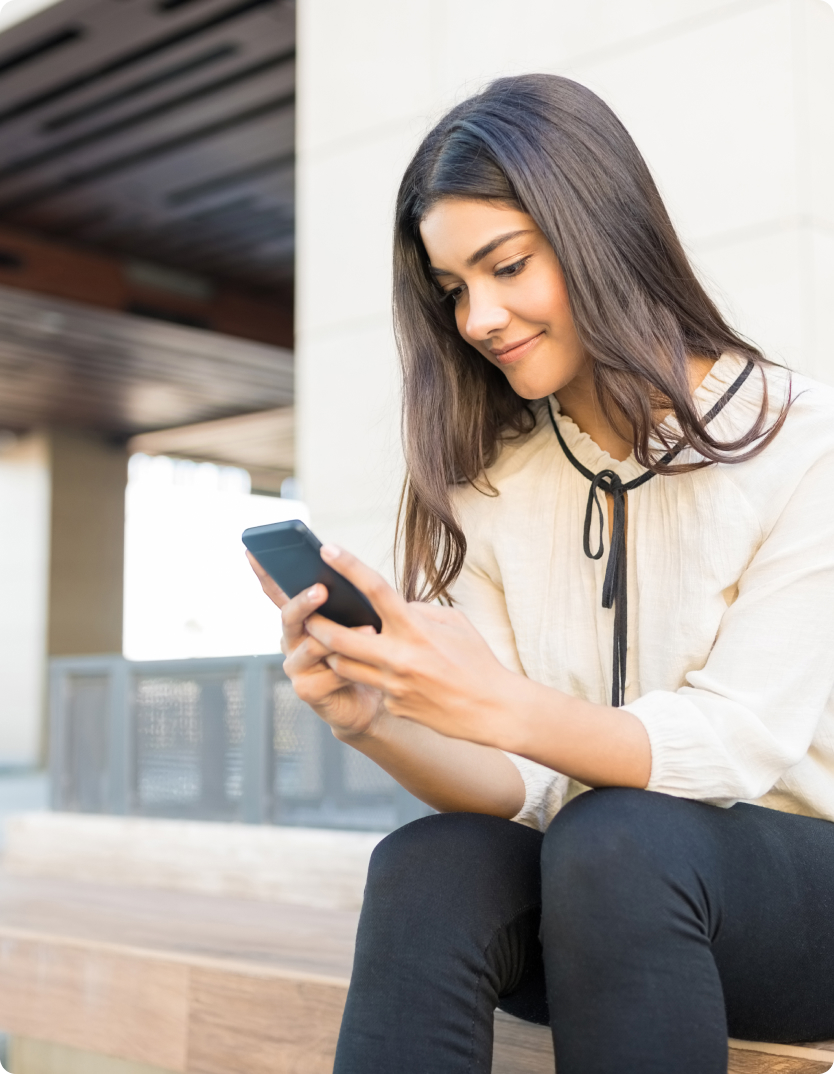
x,y
195,214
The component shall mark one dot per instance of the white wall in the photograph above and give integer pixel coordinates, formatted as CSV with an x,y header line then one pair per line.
x,y
731,102
24,529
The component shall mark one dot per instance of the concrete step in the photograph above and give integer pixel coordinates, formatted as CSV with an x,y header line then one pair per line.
x,y
307,866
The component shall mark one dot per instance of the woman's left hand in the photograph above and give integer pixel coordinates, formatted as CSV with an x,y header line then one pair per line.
x,y
431,665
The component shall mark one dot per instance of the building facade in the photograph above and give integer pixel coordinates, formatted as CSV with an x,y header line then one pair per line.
x,y
731,102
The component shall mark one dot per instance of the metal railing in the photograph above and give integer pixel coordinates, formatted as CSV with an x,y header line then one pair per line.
x,y
209,739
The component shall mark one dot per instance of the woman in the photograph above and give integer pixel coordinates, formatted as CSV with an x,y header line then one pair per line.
x,y
629,511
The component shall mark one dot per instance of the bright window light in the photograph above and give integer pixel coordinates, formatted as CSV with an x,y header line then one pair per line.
x,y
15,11
189,591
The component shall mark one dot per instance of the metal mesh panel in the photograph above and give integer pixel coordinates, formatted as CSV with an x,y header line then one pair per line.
x,y
86,739
179,729
297,746
235,732
188,745
318,780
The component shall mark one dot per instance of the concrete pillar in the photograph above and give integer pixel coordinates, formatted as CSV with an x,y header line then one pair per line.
x,y
61,570
86,563
732,102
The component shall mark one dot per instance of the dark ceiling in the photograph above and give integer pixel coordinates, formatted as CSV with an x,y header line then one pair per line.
x,y
65,364
160,129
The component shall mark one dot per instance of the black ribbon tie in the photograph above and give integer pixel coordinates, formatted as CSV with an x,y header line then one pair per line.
x,y
615,583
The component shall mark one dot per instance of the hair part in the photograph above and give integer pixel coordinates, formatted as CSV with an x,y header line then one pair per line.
x,y
556,151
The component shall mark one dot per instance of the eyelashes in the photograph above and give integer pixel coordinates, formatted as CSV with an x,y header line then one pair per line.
x,y
515,268
507,272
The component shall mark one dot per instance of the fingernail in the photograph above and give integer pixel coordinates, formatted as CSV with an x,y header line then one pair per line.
x,y
312,594
330,550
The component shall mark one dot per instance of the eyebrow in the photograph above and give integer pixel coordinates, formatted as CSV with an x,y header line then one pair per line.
x,y
483,252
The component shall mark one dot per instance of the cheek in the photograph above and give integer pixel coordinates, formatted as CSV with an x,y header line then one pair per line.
x,y
545,301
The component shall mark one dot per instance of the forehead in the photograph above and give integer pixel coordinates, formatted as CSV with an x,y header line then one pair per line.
x,y
454,228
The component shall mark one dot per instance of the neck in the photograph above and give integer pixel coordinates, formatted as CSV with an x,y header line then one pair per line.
x,y
579,401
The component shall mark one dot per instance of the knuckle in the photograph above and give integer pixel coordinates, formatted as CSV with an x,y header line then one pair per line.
x,y
400,666
303,693
396,688
375,585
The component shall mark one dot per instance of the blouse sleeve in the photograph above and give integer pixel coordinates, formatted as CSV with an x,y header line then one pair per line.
x,y
477,592
750,714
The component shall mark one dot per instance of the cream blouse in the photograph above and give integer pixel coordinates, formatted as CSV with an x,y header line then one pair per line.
x,y
730,598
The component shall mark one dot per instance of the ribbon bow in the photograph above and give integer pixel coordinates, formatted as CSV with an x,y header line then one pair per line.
x,y
615,583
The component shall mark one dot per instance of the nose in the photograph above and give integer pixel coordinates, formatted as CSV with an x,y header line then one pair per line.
x,y
484,314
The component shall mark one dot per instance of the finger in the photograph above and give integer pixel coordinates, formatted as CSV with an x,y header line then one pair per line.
x,y
275,593
305,656
296,614
369,648
385,599
318,686
355,671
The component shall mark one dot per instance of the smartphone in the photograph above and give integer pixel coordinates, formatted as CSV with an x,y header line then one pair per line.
x,y
289,553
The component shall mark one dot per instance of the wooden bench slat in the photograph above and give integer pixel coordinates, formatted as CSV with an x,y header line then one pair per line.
x,y
246,1025
198,985
94,999
747,1062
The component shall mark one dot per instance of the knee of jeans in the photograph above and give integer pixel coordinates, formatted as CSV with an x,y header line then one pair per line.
x,y
608,844
436,852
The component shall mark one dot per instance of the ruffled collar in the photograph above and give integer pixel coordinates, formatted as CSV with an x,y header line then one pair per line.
x,y
739,414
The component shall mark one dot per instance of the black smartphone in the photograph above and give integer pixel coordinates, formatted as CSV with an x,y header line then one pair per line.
x,y
289,552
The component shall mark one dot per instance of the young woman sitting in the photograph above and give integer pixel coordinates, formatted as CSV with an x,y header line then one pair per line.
x,y
611,668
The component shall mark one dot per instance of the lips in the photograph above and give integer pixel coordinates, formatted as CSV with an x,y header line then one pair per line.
x,y
514,351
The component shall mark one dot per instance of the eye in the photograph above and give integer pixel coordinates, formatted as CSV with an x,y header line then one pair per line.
x,y
454,295
515,268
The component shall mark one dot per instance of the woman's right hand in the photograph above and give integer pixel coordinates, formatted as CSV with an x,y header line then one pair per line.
x,y
350,708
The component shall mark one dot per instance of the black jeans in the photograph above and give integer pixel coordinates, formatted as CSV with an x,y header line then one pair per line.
x,y
643,928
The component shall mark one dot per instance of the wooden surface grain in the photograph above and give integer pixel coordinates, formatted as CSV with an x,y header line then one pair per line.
x,y
95,999
245,1025
521,1047
194,984
296,937
743,1062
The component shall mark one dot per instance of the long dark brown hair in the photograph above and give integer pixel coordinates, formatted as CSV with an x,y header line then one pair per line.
x,y
552,148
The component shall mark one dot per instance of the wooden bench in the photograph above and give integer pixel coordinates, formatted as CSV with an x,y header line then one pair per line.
x,y
117,980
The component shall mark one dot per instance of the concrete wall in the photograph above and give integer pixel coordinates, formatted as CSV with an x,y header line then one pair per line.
x,y
731,102
24,551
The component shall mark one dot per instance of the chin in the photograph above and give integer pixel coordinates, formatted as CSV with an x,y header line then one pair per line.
x,y
533,387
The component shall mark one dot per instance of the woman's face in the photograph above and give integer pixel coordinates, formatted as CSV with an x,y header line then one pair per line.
x,y
509,295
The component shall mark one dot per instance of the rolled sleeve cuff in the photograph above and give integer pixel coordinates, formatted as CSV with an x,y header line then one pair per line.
x,y
686,763
544,793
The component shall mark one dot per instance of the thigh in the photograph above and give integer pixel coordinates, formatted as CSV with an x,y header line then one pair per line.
x,y
666,919
459,894
448,926
773,942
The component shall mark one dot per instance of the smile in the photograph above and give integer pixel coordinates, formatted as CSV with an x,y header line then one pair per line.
x,y
515,351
